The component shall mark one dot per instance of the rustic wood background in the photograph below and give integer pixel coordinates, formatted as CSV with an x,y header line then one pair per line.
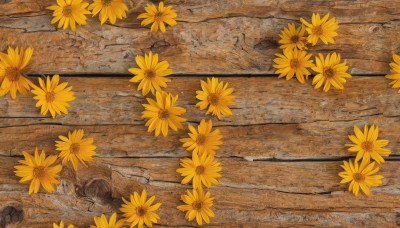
x,y
282,148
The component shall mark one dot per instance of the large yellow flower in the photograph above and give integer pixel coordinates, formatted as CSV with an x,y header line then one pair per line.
x,y
158,16
163,113
367,145
12,65
293,62
52,96
102,222
151,74
292,38
69,13
203,140
109,9
360,176
139,211
323,29
75,148
330,72
395,72
216,96
62,225
201,170
39,170
197,205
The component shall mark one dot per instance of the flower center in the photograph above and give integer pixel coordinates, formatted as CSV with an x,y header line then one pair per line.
x,y
150,74
39,172
197,205
158,16
163,114
213,99
201,139
295,38
74,148
317,30
50,96
106,2
12,73
358,177
67,11
294,64
140,211
329,72
200,170
368,146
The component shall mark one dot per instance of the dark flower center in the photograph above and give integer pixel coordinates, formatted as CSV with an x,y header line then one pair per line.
x,y
197,205
358,177
368,146
74,148
150,74
213,99
295,38
12,74
163,114
200,170
67,11
106,2
158,16
294,64
140,211
317,30
201,139
329,72
39,172
50,96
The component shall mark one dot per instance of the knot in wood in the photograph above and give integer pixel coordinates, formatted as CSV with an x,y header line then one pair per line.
x,y
10,215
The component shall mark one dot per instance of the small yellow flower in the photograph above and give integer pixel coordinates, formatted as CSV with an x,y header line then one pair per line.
x,y
139,211
292,38
203,140
12,65
330,72
52,96
151,74
109,9
216,96
101,222
158,16
69,13
323,29
293,62
39,170
395,72
367,145
197,205
162,113
360,176
62,225
75,148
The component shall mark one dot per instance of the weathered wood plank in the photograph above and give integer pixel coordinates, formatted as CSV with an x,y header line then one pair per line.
x,y
240,36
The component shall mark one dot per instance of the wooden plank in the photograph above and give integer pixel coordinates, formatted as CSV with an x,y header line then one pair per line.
x,y
256,193
241,36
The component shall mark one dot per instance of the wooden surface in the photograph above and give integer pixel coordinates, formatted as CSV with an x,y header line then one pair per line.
x,y
282,147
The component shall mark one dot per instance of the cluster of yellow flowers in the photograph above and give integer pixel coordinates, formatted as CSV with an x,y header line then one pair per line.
x,y
367,146
295,61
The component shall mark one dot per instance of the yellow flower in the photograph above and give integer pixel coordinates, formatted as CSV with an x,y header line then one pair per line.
x,y
52,96
197,205
330,72
101,222
69,13
321,29
201,170
361,176
62,225
109,9
158,16
367,146
163,113
139,211
395,72
11,71
75,148
39,170
292,38
293,62
216,96
204,140
151,74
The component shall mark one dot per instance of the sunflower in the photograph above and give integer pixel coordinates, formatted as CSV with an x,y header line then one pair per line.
x,y
139,211
216,96
69,13
39,170
292,38
11,71
52,96
62,225
321,29
361,176
102,222
293,62
158,16
367,146
203,140
151,74
330,71
395,72
75,148
200,169
163,113
197,205
109,9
